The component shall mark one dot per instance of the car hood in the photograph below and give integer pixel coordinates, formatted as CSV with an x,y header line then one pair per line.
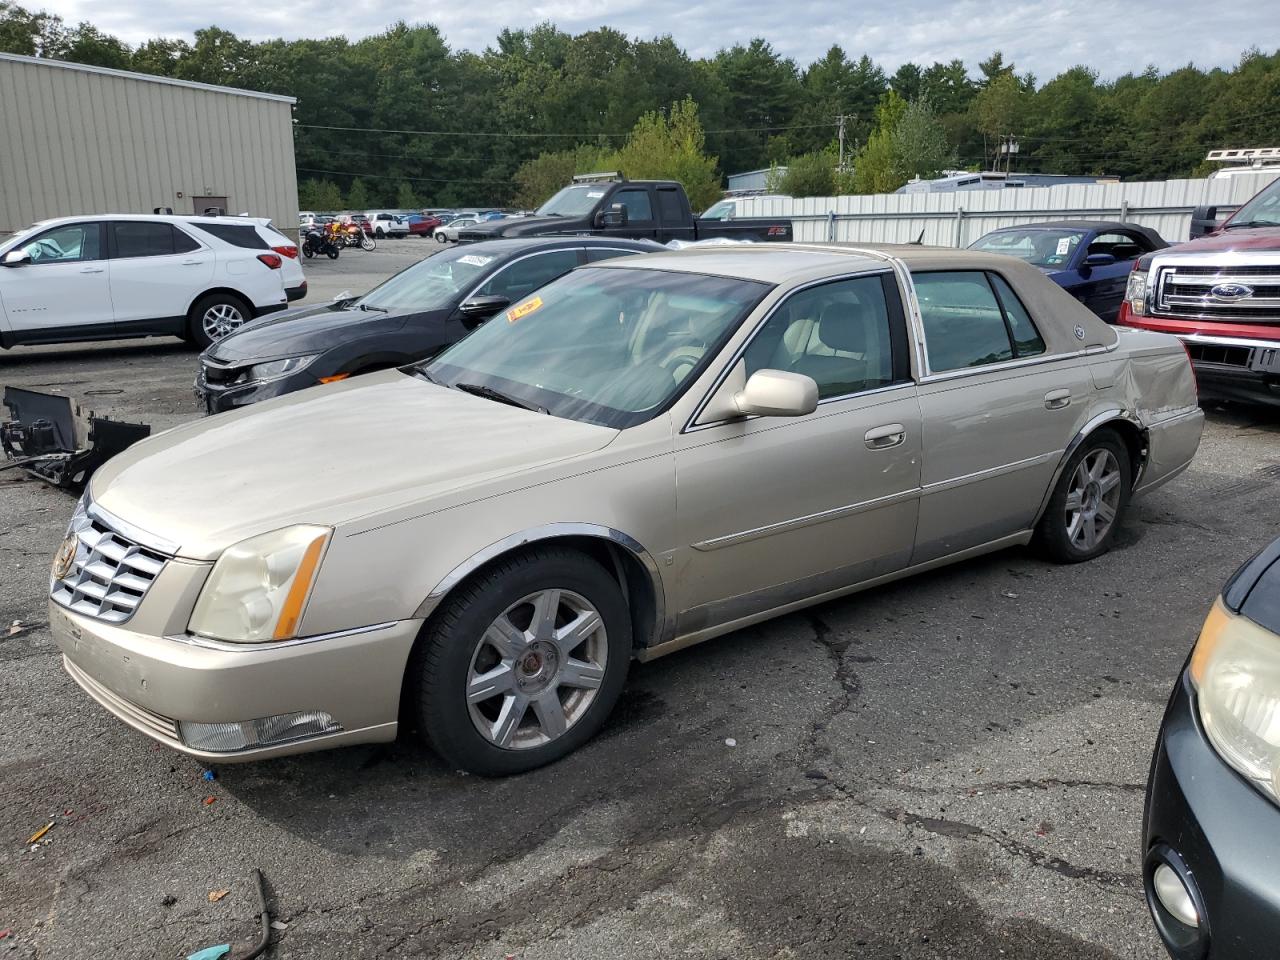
x,y
328,455
1242,239
523,227
293,334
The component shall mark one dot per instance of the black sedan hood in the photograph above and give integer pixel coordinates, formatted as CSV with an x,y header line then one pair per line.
x,y
301,332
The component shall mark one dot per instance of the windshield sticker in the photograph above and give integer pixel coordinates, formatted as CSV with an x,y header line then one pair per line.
x,y
474,260
526,308
1064,246
595,194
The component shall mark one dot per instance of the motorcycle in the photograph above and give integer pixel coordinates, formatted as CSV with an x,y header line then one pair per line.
x,y
316,242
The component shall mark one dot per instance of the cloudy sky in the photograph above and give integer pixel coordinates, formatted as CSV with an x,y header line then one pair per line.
x,y
1042,37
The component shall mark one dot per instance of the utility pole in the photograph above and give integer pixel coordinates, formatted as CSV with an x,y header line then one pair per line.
x,y
840,122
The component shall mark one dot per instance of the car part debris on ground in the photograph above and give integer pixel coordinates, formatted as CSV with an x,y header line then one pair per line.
x,y
264,920
52,438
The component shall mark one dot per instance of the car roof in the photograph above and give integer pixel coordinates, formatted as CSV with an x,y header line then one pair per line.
x,y
153,218
1098,226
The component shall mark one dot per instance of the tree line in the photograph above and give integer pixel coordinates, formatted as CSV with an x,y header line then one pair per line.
x,y
401,119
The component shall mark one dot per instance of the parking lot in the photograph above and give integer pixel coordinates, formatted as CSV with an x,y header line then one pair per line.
x,y
951,766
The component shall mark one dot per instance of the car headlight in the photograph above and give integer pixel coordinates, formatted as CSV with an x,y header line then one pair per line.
x,y
259,587
279,368
1236,671
1135,292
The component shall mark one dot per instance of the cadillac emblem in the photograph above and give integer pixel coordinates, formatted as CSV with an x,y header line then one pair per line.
x,y
65,557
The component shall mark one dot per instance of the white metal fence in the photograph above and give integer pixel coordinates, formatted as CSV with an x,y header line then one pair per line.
x,y
957,219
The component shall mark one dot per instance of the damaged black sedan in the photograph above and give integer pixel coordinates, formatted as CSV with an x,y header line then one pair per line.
x,y
412,315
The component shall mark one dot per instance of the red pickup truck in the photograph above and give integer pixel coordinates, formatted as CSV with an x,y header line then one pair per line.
x,y
1219,293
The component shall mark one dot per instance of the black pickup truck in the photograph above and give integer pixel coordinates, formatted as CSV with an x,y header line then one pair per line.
x,y
608,205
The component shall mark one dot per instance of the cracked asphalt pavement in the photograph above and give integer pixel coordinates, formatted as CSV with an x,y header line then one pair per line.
x,y
947,767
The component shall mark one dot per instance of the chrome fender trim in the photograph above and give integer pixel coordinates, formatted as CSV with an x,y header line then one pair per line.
x,y
553,531
1101,420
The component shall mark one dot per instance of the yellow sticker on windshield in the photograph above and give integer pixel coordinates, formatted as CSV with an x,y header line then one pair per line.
x,y
524,309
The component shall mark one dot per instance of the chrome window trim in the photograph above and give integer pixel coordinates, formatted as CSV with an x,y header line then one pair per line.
x,y
1013,364
691,423
228,646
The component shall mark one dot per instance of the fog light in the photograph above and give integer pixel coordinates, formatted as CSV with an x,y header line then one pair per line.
x,y
1174,896
265,732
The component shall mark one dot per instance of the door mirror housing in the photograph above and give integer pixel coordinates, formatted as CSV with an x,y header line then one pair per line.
x,y
777,393
16,258
1099,260
479,309
615,216
1204,220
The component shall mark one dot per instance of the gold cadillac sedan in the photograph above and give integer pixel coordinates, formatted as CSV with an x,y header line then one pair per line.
x,y
645,454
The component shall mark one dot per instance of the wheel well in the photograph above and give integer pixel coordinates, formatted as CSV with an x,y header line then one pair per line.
x,y
1135,441
620,563
253,311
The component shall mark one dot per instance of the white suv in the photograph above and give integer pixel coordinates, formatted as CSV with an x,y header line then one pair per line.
x,y
111,276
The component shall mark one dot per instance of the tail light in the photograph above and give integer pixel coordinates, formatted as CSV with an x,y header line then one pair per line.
x,y
287,250
272,260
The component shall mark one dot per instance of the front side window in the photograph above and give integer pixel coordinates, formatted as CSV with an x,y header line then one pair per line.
x,y
965,324
601,345
839,334
1120,245
142,239
67,244
636,203
431,284
525,276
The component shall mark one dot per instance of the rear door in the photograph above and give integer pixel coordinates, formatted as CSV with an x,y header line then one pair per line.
x,y
998,411
675,220
157,272
63,290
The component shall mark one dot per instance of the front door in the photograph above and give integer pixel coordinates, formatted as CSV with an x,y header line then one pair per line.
x,y
995,423
641,218
771,510
63,286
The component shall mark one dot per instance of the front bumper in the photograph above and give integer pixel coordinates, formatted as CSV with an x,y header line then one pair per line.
x,y
1240,364
1223,830
155,683
218,398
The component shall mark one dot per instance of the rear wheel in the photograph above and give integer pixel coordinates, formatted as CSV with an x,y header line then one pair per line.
x,y
1086,505
216,315
381,234
523,665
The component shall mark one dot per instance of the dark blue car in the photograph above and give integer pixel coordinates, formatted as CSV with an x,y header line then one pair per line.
x,y
1090,258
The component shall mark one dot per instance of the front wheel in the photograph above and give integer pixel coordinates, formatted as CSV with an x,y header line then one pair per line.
x,y
366,241
522,665
332,251
1086,505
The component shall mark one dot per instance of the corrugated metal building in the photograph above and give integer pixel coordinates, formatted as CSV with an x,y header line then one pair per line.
x,y
76,139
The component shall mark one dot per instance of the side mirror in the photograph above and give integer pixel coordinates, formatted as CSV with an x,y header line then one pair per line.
x,y
16,258
1099,260
615,216
479,309
1204,220
777,393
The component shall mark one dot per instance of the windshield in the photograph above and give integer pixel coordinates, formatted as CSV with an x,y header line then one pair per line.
x,y
433,284
575,201
607,346
719,211
1262,211
1042,247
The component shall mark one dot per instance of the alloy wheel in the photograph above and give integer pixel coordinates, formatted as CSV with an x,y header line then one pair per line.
x,y
221,319
1093,499
537,669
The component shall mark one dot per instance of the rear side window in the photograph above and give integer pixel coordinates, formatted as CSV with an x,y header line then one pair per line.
x,y
182,243
142,239
236,234
965,324
669,206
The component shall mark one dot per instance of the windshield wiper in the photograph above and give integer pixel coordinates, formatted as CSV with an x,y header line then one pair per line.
x,y
489,393
1252,223
365,306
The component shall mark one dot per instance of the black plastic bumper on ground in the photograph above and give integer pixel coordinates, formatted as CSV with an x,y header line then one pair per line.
x,y
1224,831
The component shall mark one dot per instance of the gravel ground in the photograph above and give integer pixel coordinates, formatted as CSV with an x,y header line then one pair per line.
x,y
950,766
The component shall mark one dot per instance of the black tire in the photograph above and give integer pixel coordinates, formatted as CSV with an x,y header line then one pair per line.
x,y
196,325
380,234
332,251
441,664
1057,537
307,251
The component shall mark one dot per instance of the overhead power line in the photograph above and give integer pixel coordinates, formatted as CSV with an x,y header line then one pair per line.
x,y
388,176
579,136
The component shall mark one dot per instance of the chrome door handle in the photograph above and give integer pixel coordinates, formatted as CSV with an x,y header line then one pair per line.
x,y
93,270
881,438
1057,399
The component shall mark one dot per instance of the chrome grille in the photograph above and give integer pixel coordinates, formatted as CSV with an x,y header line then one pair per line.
x,y
1187,291
110,573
